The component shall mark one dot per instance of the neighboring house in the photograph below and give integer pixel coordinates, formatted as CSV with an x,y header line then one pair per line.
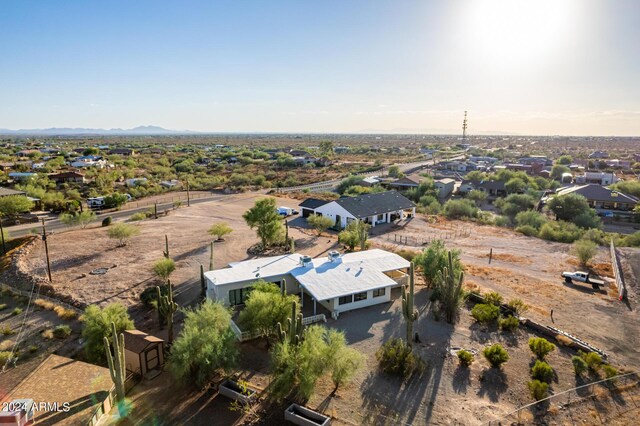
x,y
369,181
299,153
341,149
457,166
339,283
27,153
601,198
404,183
38,165
122,151
66,177
304,160
534,159
530,169
493,188
95,203
600,178
170,183
75,391
445,187
478,159
6,192
143,353
383,207
21,176
618,164
81,162
599,154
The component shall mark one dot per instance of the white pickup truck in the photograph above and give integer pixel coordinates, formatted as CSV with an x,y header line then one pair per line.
x,y
582,277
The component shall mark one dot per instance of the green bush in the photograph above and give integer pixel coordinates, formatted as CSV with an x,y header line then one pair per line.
x,y
4,357
540,346
509,323
106,221
62,332
459,209
502,221
593,360
485,313
584,250
3,306
136,217
396,357
496,355
5,330
528,230
539,390
562,232
493,298
16,311
33,349
518,306
579,365
542,371
610,371
465,358
531,218
150,294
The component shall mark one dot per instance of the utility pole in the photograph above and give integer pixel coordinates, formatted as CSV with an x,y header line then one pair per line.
x,y
464,127
46,250
4,247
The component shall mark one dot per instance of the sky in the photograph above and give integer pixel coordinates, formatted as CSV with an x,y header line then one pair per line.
x,y
539,67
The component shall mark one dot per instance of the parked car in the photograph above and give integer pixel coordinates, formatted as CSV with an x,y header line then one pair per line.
x,y
287,211
582,277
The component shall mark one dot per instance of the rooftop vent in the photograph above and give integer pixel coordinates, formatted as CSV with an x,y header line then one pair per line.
x,y
305,261
334,255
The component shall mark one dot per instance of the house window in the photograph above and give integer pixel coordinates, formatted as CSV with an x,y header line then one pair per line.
x,y
360,296
238,296
379,292
345,299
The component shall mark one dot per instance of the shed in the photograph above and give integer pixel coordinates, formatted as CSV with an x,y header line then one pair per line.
x,y
142,352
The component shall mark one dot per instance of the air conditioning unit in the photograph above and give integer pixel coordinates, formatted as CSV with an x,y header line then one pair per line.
x,y
334,255
305,261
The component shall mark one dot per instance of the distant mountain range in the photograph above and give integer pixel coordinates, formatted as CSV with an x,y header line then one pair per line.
x,y
67,131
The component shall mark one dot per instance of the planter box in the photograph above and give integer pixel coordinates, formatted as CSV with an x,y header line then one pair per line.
x,y
233,390
303,416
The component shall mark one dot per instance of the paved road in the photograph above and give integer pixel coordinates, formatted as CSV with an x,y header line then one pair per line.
x,y
329,185
55,224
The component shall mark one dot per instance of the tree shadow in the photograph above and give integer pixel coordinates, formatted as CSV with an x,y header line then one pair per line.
x,y
493,384
461,379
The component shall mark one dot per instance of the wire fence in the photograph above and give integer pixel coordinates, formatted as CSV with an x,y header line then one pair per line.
x,y
601,402
422,240
179,197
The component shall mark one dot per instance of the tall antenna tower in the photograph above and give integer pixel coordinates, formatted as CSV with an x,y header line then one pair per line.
x,y
464,127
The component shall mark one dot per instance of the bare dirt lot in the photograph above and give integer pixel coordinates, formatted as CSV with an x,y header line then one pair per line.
x,y
530,268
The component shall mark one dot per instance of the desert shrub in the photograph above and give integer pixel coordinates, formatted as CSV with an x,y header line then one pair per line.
x,y
610,371
502,221
16,311
528,230
122,232
465,358
579,365
6,330
539,390
150,295
4,357
493,298
632,240
136,217
106,221
435,258
531,218
588,220
62,332
65,314
542,371
33,349
518,306
407,254
584,250
540,346
44,304
496,355
47,334
515,203
598,236
562,232
509,323
593,360
395,357
485,313
459,209
3,306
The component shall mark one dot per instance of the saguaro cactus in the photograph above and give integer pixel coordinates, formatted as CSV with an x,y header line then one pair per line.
x,y
166,247
116,361
408,310
286,230
294,327
203,283
167,308
450,289
211,257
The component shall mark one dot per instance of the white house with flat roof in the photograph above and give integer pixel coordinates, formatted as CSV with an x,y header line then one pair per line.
x,y
338,282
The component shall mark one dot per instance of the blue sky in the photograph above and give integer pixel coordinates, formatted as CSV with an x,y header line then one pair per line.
x,y
527,67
